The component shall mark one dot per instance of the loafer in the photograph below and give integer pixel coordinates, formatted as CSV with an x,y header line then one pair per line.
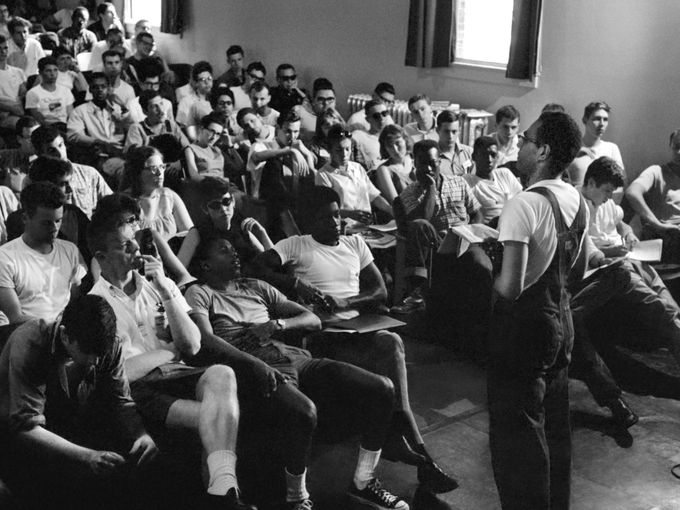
x,y
622,414
432,478
230,501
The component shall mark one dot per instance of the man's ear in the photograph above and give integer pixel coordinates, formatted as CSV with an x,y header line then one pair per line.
x,y
543,152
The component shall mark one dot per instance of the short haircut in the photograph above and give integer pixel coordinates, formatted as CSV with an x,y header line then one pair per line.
x,y
383,86
673,135
483,143
258,86
507,112
61,50
257,66
18,21
242,113
111,53
287,118
321,196
371,104
24,122
234,49
593,107
212,187
114,30
389,133
446,117
321,84
142,35
336,134
46,61
553,107
106,219
149,67
211,118
218,90
561,133
145,96
203,251
82,10
328,113
200,67
418,97
41,194
90,321
283,67
49,169
44,136
101,8
134,165
604,170
423,146
98,76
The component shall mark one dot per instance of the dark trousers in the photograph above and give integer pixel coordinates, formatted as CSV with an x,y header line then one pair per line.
x,y
530,439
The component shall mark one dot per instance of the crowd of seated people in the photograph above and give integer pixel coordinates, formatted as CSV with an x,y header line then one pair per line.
x,y
167,251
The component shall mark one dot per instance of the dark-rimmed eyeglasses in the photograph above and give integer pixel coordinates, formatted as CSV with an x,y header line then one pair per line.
x,y
290,77
380,115
326,100
221,202
225,103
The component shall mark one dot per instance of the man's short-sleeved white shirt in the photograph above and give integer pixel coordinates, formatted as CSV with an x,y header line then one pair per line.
x,y
136,315
352,184
51,104
11,79
528,218
603,222
42,282
33,51
492,194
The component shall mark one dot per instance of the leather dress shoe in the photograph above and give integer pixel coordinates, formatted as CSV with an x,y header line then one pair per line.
x,y
230,501
433,479
397,449
622,415
425,500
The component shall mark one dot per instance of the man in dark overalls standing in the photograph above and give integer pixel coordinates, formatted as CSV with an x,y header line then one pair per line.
x,y
542,231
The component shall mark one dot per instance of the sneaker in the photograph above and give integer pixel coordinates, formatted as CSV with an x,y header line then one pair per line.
x,y
622,415
377,497
413,302
305,504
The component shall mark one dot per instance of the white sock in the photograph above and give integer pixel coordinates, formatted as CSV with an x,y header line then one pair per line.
x,y
296,487
222,470
366,465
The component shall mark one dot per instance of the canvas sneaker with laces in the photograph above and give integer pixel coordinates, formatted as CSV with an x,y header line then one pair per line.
x,y
374,495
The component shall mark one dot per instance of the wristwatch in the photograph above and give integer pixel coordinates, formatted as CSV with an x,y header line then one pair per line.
x,y
280,324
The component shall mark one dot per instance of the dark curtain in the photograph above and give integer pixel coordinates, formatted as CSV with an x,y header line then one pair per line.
x,y
431,33
172,16
523,59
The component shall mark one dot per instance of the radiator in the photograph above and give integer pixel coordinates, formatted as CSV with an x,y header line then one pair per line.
x,y
473,123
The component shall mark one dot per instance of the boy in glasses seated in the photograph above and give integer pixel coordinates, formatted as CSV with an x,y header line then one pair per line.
x,y
367,142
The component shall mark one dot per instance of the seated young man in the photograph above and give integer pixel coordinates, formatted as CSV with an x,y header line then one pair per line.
x,y
235,76
38,272
241,319
153,323
12,89
368,142
253,128
256,71
48,102
506,136
155,123
14,163
337,275
287,95
194,106
455,157
260,98
59,444
383,92
654,196
425,125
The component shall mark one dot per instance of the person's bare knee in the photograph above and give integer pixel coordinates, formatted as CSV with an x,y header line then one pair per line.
x,y
217,380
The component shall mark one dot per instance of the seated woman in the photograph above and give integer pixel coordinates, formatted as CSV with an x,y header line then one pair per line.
x,y
203,158
318,146
349,179
398,171
162,209
246,235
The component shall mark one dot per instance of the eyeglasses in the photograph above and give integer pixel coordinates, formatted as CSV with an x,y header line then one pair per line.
x,y
523,138
388,102
290,77
256,77
131,220
325,100
156,170
207,79
219,203
213,132
225,103
380,115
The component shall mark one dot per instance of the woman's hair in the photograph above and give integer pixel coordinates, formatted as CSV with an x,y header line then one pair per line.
x,y
134,164
388,134
328,113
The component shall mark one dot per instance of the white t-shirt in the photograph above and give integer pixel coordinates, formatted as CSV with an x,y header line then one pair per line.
x,y
603,222
352,184
51,104
42,282
271,118
191,110
136,315
334,270
528,218
26,59
509,153
125,92
11,79
493,194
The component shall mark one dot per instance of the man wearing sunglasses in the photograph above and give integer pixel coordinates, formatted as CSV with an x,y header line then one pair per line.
x,y
367,142
383,92
287,95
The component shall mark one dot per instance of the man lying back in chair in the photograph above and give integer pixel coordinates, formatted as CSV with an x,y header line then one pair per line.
x,y
336,274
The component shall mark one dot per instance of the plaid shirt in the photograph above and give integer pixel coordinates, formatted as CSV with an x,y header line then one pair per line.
x,y
454,202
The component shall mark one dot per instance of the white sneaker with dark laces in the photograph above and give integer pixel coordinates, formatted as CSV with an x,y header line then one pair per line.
x,y
377,497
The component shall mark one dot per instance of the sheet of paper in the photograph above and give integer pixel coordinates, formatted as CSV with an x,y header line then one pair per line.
x,y
390,226
647,251
615,261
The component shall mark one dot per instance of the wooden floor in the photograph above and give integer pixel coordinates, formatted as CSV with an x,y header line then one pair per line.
x,y
629,471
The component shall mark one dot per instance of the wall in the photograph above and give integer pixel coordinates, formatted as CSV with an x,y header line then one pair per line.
x,y
620,51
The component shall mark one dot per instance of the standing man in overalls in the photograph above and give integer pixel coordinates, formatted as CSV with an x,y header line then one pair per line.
x,y
542,231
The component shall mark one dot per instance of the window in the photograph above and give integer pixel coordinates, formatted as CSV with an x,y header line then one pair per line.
x,y
143,9
483,29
